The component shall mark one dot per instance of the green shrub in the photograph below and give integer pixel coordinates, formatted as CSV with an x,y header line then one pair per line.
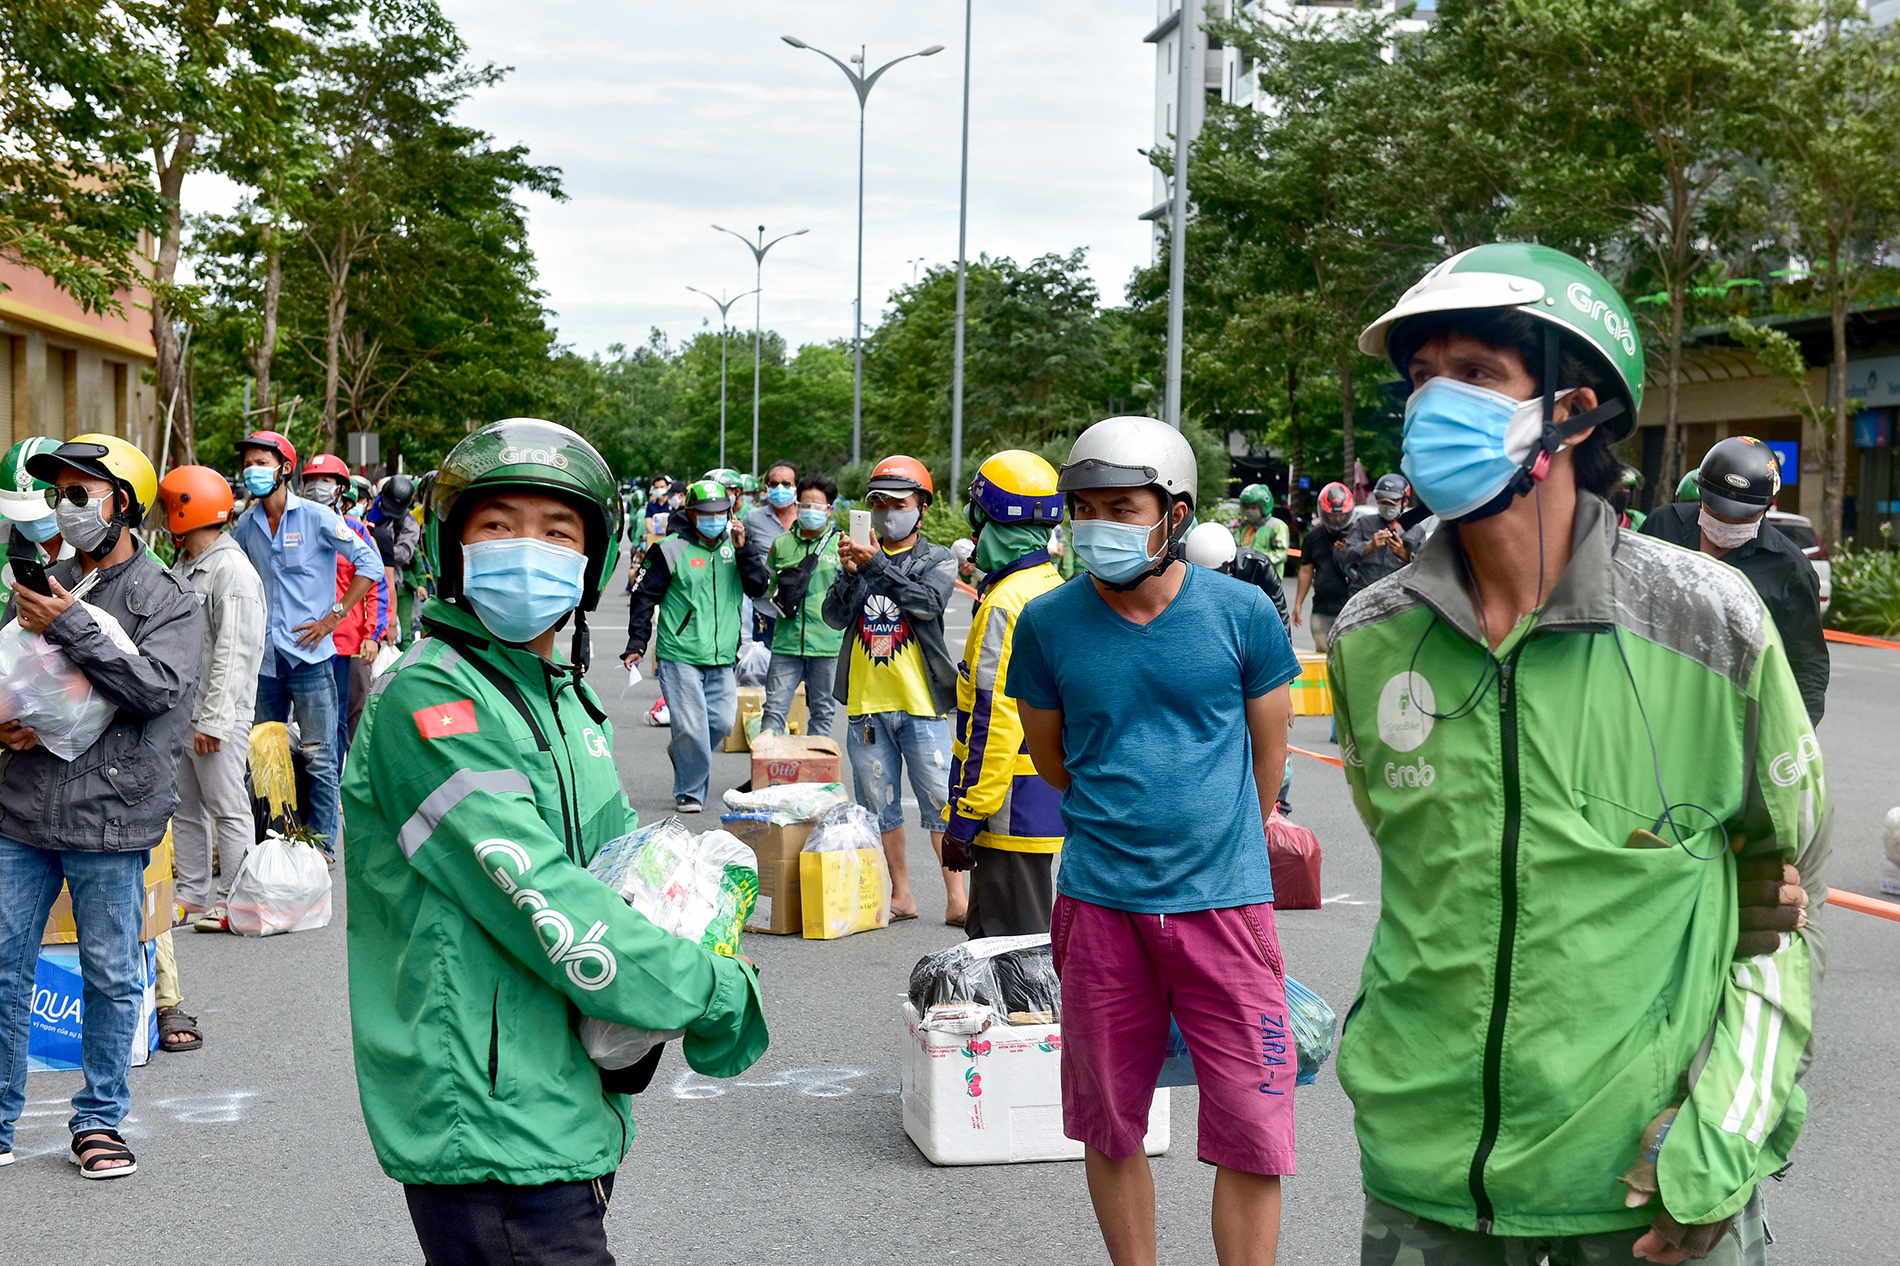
x,y
1866,592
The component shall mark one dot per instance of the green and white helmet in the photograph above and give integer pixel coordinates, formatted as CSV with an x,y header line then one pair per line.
x,y
530,455
1548,286
1257,494
23,497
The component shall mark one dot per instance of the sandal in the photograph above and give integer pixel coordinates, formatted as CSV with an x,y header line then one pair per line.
x,y
898,916
174,1020
216,919
96,1154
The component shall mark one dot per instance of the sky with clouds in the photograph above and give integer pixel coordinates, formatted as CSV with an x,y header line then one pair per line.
x,y
667,118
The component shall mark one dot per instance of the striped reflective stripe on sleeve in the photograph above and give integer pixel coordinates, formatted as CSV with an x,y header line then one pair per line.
x,y
460,786
1748,1110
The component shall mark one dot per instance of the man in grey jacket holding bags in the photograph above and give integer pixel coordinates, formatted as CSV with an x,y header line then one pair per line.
x,y
93,820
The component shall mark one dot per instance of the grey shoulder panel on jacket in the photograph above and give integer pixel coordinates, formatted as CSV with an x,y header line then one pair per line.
x,y
1692,604
1380,600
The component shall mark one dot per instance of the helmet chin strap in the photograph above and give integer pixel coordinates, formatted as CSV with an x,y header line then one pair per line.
x,y
119,522
1554,437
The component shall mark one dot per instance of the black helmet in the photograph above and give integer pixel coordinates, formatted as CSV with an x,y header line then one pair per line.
x,y
1391,488
399,493
1740,477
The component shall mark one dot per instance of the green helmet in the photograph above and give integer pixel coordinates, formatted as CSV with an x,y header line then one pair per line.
x,y
1690,489
725,477
1257,494
22,496
1630,478
708,494
1546,285
534,456
748,483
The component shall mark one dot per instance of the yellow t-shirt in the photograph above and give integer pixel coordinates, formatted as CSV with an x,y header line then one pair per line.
x,y
887,664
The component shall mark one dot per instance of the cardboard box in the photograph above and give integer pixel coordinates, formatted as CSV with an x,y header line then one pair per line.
x,y
52,1042
752,705
995,1098
780,910
779,758
845,892
61,930
1312,694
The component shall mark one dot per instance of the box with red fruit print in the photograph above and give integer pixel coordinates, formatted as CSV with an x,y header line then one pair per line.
x,y
994,1097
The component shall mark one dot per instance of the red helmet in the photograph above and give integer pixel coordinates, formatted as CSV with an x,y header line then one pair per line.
x,y
1335,498
900,474
328,464
275,441
194,497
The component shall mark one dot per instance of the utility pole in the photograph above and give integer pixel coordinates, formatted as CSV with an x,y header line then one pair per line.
x,y
1189,71
963,226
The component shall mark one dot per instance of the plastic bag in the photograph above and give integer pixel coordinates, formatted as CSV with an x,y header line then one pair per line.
x,y
41,688
844,884
788,802
1293,855
700,888
283,886
1309,1017
385,659
1014,976
754,659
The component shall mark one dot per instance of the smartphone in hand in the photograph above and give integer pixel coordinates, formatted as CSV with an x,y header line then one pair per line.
x,y
28,571
861,527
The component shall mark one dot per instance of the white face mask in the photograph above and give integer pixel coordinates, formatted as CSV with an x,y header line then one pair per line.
x,y
1727,535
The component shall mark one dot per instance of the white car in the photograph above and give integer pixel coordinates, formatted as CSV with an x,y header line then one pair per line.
x,y
1800,529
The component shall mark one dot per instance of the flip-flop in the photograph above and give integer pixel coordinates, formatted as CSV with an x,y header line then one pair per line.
x,y
954,923
897,917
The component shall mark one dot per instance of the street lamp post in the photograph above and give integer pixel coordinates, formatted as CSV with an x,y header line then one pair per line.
x,y
758,277
963,224
723,305
861,83
1190,78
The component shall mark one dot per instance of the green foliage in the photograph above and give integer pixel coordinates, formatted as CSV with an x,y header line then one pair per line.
x,y
1866,597
942,524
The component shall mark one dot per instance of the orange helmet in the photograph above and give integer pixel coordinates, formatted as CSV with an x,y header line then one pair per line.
x,y
194,497
900,474
328,464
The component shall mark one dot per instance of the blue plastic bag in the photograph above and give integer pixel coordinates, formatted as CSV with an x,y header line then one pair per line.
x,y
1310,1018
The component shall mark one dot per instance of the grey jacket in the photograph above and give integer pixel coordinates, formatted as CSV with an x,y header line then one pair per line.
x,y
117,796
233,598
920,582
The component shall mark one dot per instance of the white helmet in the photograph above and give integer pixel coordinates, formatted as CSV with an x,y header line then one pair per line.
x,y
1210,545
1132,452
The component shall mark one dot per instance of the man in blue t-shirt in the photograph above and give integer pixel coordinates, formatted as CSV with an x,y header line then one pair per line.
x,y
1155,697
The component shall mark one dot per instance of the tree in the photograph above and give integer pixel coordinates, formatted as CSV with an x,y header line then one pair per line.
x,y
1838,181
74,194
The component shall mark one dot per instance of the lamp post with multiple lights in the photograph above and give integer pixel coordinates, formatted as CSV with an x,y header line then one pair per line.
x,y
861,83
724,305
758,250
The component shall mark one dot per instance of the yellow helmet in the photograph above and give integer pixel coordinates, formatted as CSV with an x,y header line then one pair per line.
x,y
1016,486
108,457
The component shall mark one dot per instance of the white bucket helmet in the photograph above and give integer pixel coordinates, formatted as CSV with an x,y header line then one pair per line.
x,y
1210,545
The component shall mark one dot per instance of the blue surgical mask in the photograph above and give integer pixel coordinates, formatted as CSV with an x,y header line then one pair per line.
x,y
259,480
781,494
711,526
1464,444
1114,552
811,518
519,587
39,529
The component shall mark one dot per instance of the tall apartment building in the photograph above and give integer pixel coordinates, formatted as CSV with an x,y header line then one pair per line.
x,y
65,371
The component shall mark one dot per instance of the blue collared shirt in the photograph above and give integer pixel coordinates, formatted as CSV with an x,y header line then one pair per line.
x,y
298,566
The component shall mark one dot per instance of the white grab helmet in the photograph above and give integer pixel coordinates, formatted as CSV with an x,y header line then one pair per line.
x,y
1210,545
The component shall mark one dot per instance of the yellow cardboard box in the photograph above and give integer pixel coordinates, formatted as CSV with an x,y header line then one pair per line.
x,y
1312,693
61,930
844,892
780,909
752,704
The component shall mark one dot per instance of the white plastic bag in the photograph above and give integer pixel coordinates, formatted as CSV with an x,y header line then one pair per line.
x,y
385,659
41,688
700,888
283,886
847,885
755,658
788,802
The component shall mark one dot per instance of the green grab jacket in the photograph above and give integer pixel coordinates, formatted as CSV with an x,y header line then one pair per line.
x,y
694,589
805,632
476,936
1539,985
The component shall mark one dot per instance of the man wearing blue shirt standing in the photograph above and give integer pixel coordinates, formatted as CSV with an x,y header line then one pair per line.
x,y
1155,697
294,545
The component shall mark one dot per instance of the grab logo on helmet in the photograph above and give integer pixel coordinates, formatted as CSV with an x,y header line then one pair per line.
x,y
513,453
1597,310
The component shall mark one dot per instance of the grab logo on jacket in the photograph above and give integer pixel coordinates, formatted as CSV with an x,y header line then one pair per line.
x,y
1405,712
883,629
590,965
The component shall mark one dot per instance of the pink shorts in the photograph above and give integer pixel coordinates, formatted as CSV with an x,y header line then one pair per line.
x,y
1218,972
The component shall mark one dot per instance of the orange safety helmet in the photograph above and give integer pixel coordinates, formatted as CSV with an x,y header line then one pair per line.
x,y
328,465
901,474
194,497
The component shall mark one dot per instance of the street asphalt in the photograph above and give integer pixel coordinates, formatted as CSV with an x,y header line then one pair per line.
x,y
253,1148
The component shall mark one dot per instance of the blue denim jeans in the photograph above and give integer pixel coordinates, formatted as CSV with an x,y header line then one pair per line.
x,y
703,703
880,745
310,691
108,891
340,674
818,672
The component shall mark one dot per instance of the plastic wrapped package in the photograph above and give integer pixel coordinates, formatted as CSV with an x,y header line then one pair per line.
x,y
845,886
788,802
40,687
283,886
753,661
1309,1017
1293,854
700,888
1014,976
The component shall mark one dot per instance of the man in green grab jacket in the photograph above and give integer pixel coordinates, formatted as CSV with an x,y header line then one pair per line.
x,y
476,936
1586,765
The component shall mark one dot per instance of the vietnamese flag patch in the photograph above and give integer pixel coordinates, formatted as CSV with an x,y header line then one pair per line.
x,y
445,719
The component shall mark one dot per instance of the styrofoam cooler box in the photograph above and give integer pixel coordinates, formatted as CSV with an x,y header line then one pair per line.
x,y
52,1043
994,1098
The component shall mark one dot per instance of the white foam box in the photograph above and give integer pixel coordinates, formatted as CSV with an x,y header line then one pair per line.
x,y
994,1098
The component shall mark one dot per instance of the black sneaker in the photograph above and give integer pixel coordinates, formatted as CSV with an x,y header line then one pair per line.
x,y
686,804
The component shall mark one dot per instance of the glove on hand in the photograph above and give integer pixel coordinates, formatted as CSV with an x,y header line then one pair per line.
x,y
958,847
